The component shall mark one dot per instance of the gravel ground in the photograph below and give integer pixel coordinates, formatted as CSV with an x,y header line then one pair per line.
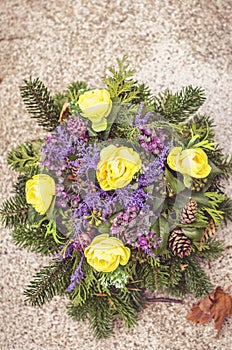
x,y
171,44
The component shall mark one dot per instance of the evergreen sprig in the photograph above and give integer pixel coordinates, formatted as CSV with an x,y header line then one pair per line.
x,y
14,211
26,157
101,310
179,106
122,87
34,239
19,185
75,89
196,280
51,280
40,103
226,208
101,317
211,250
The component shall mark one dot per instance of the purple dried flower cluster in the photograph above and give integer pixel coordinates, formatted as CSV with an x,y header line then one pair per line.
x,y
77,127
153,142
122,219
70,152
147,242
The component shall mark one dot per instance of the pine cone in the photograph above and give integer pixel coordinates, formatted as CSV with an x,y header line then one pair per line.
x,y
189,213
179,243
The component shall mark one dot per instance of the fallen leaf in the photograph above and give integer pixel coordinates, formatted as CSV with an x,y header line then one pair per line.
x,y
215,306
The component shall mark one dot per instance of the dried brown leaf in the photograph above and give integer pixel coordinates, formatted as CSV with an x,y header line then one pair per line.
x,y
215,306
64,112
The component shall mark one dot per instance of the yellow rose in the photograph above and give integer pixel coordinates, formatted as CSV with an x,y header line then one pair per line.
x,y
117,167
105,253
96,106
40,191
192,162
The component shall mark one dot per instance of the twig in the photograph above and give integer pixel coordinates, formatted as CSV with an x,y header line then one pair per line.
x,y
164,300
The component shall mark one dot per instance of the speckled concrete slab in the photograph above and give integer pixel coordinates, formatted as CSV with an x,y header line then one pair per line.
x,y
171,44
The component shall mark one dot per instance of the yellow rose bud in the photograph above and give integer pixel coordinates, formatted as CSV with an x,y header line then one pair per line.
x,y
105,253
117,167
96,106
192,162
40,191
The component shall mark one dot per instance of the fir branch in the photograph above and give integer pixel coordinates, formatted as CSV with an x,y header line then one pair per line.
x,y
211,250
51,280
14,211
128,305
40,104
196,279
79,312
34,239
176,273
161,277
181,105
60,99
101,317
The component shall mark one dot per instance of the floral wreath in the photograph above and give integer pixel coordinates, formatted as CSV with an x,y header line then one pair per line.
x,y
124,193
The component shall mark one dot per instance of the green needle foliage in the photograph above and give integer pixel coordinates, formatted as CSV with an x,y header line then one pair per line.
x,y
179,106
197,282
211,250
51,280
122,87
40,103
101,318
14,211
34,239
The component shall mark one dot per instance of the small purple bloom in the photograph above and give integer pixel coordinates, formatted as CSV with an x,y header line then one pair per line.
x,y
76,277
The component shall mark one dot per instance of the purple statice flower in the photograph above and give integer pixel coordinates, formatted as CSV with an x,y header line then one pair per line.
x,y
76,277
123,219
68,251
138,199
154,169
88,158
58,147
139,120
77,127
128,197
82,210
62,197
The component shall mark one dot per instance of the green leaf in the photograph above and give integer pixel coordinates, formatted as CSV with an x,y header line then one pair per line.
x,y
175,184
193,233
163,230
